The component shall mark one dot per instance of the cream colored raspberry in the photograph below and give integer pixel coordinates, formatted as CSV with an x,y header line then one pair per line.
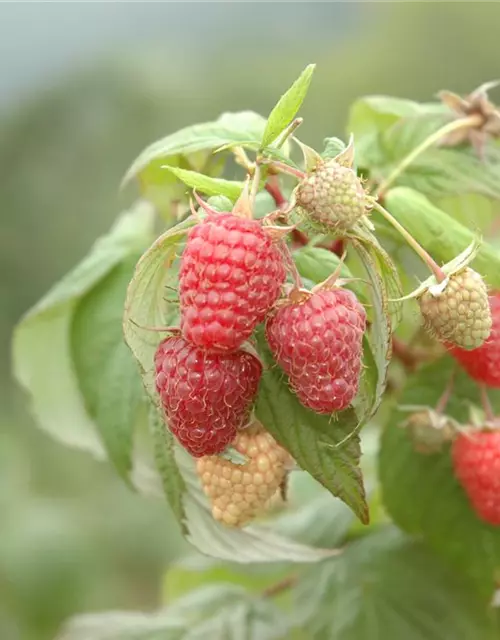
x,y
332,197
458,311
238,493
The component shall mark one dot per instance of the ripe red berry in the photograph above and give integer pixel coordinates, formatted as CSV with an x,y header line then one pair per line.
x,y
476,460
317,341
230,276
483,364
206,397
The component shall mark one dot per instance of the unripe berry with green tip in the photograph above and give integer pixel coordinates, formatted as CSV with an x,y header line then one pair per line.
x,y
332,197
457,311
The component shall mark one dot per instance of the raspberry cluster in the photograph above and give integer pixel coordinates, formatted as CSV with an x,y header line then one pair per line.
x,y
231,274
231,279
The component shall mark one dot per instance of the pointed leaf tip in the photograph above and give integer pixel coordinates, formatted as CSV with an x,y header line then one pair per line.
x,y
287,106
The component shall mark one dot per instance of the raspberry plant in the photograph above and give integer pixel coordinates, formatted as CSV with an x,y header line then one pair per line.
x,y
240,362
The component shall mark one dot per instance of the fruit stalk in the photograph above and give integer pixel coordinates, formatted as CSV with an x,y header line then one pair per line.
x,y
419,250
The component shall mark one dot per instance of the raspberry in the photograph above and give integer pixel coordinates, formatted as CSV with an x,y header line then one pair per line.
x,y
457,310
206,397
238,493
476,461
332,197
230,276
317,341
483,364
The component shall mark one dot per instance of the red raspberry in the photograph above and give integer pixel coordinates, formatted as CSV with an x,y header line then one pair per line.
x,y
483,364
206,397
317,341
476,460
230,276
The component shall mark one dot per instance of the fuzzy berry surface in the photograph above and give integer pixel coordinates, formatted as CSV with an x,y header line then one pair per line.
x,y
483,364
231,274
206,397
332,197
240,492
318,343
459,311
476,461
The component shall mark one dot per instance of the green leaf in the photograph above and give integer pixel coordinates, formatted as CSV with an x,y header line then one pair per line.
x,y
146,306
388,136
326,448
380,335
106,372
164,454
287,107
441,235
420,491
332,147
317,264
205,184
371,117
42,356
195,571
208,136
387,586
217,611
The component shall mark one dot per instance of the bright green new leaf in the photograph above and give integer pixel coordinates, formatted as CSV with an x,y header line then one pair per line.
x,y
387,586
208,136
287,107
441,235
421,492
206,184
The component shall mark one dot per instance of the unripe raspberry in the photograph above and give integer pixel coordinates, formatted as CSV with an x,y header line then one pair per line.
x,y
457,310
476,460
483,364
317,340
231,274
206,397
429,430
238,493
332,197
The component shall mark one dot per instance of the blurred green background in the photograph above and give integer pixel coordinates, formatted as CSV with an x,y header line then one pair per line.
x,y
83,88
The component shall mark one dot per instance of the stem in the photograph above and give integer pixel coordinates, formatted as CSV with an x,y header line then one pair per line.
x,y
485,401
279,587
445,398
470,122
419,250
255,185
292,127
273,188
292,267
285,168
